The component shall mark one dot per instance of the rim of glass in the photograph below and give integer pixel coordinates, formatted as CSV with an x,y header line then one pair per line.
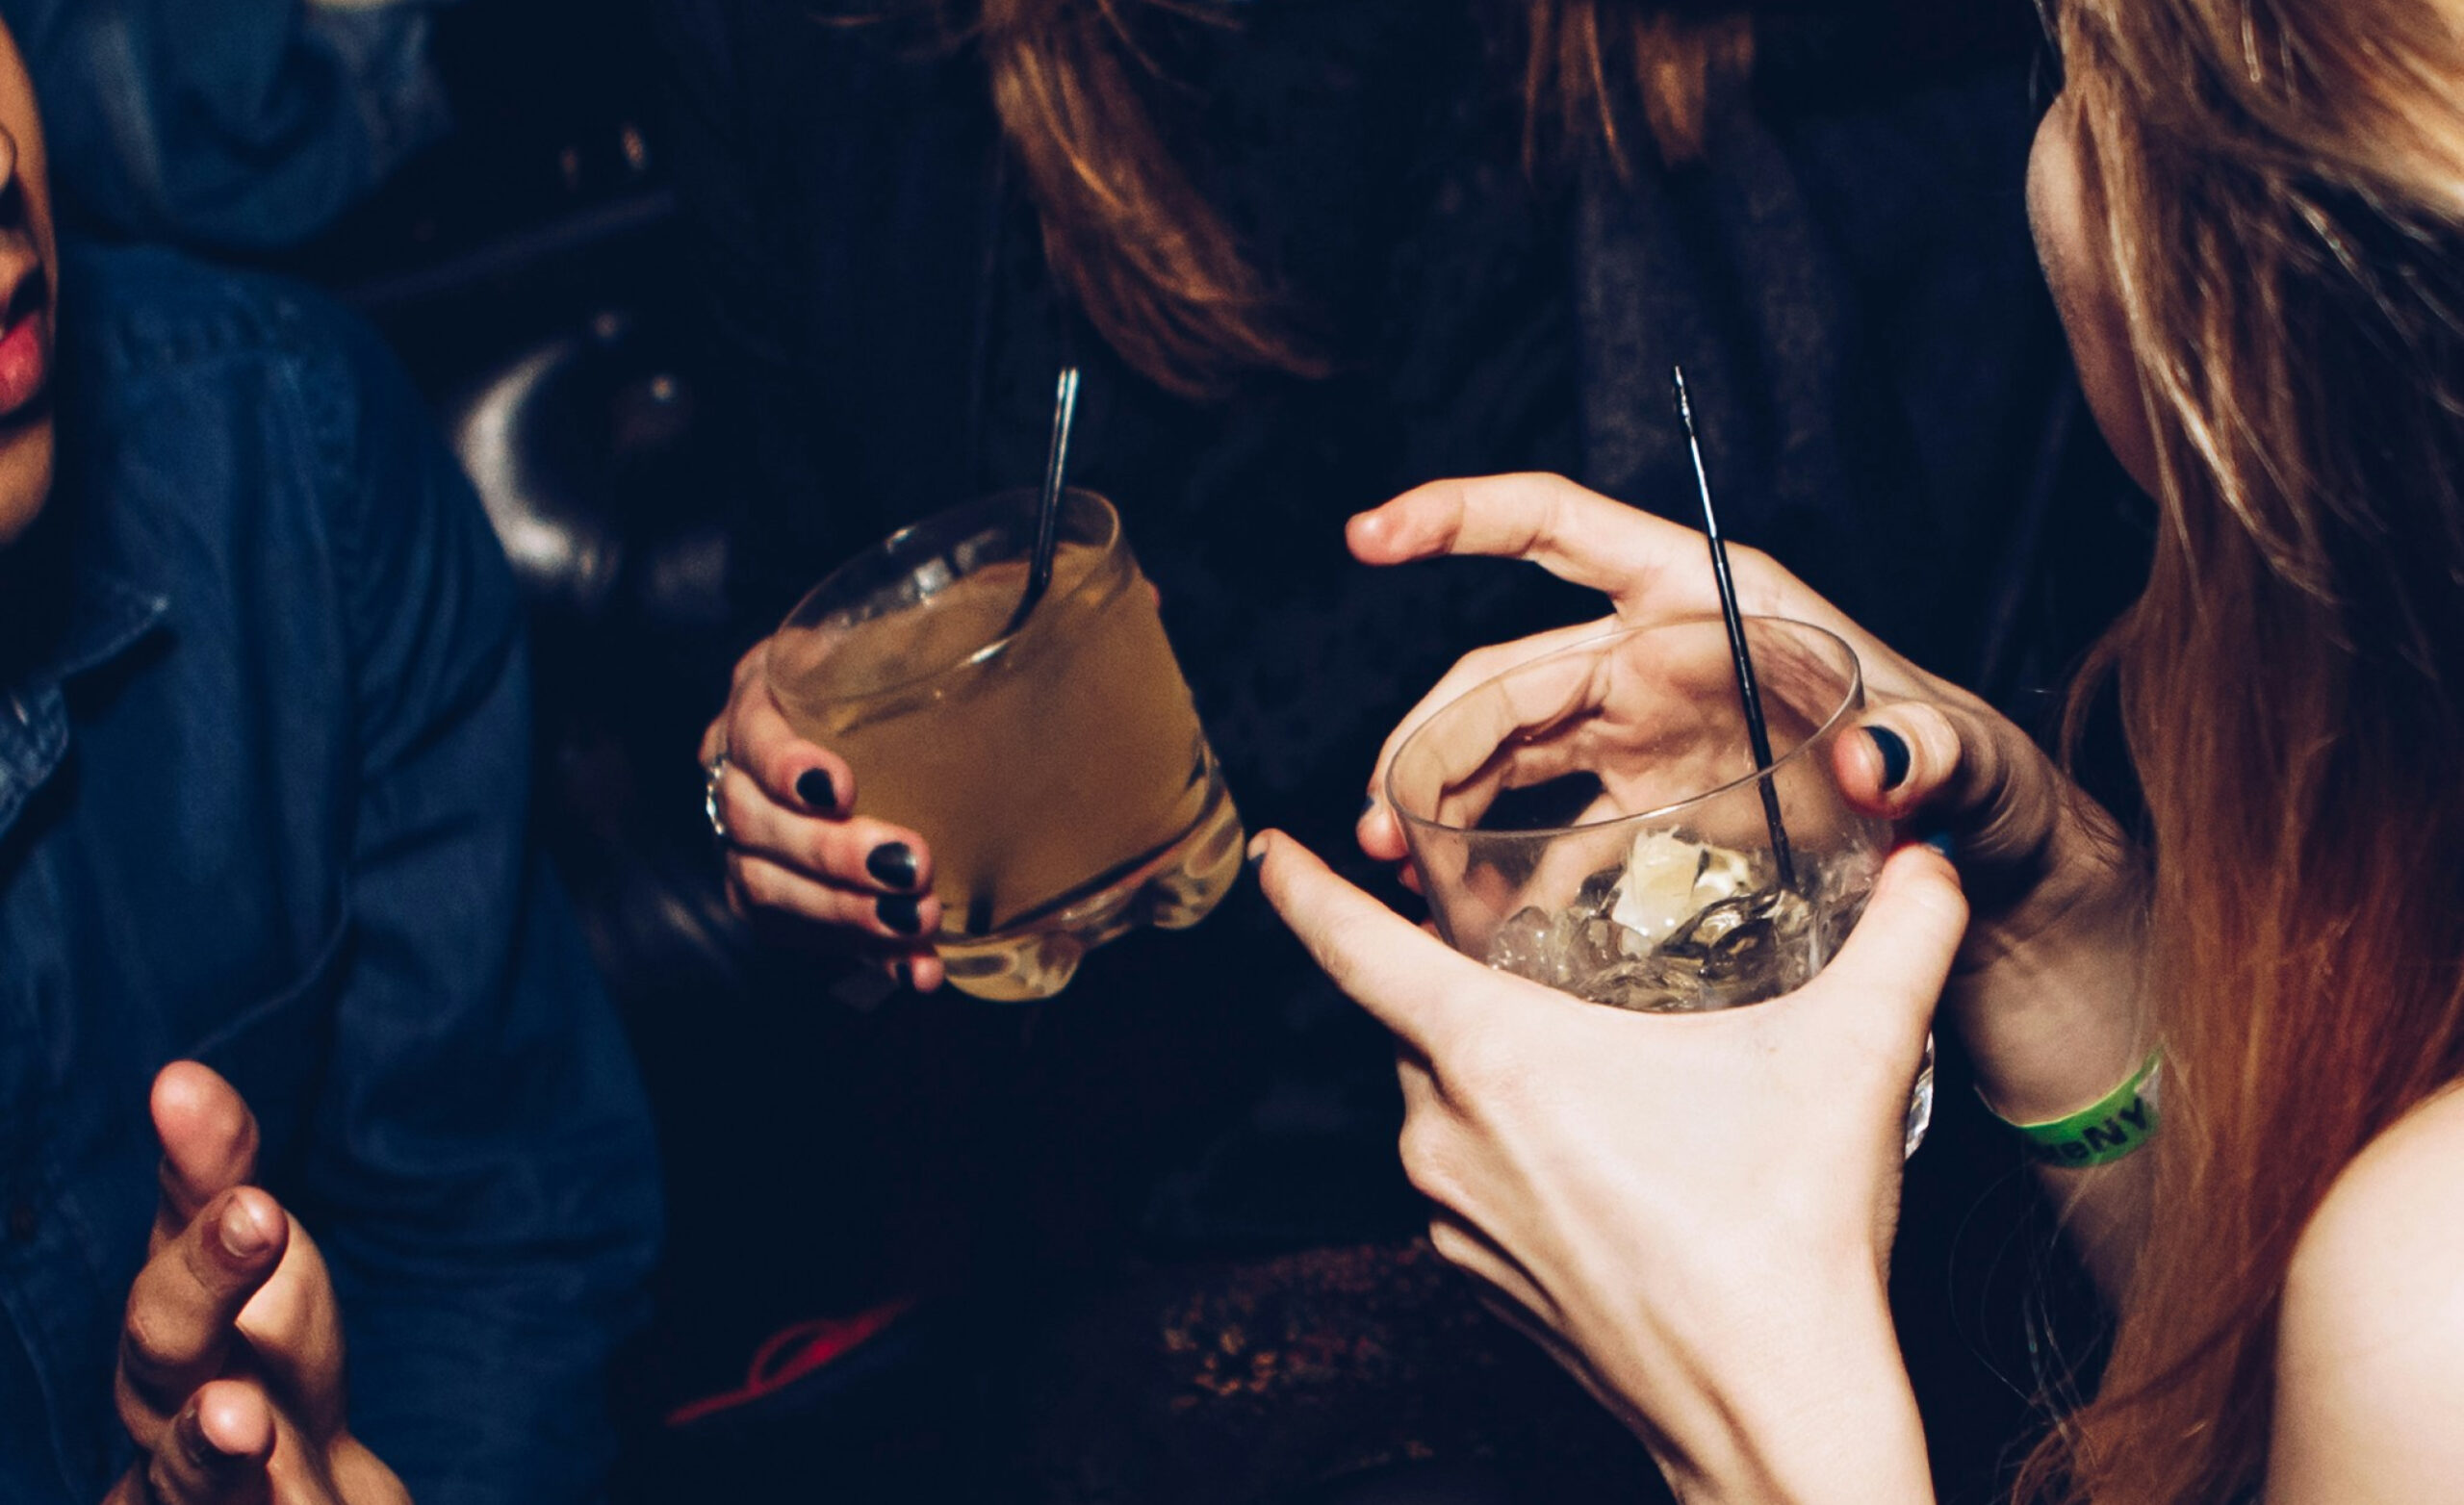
x,y
1850,693
889,547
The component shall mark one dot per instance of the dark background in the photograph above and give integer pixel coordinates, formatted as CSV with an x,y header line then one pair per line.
x,y
531,267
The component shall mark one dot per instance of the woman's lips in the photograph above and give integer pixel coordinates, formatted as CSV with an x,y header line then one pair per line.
x,y
25,361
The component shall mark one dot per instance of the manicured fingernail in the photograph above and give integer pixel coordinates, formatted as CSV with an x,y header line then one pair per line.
x,y
900,912
1894,751
893,862
244,1237
814,788
1256,856
1940,841
902,974
1367,806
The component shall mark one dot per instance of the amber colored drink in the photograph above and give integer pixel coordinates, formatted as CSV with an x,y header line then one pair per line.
x,y
1060,774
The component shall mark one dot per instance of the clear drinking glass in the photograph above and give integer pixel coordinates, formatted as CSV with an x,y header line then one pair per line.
x,y
1059,774
1594,820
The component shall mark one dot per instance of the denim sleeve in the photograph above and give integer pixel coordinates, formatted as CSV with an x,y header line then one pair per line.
x,y
480,1171
227,124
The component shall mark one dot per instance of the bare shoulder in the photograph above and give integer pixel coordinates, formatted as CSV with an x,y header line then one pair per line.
x,y
2370,1356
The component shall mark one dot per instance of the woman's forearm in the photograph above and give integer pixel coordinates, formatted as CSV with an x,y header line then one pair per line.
x,y
2053,1019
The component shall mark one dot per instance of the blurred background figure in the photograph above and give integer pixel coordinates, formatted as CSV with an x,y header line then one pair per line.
x,y
1307,255
244,125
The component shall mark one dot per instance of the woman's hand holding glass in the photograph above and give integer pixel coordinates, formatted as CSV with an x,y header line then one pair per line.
x,y
2052,956
798,863
1691,1213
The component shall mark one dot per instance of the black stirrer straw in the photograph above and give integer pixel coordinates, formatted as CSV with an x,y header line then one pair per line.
x,y
1749,690
1055,466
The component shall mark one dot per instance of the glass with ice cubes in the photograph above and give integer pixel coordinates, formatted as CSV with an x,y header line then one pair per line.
x,y
1594,819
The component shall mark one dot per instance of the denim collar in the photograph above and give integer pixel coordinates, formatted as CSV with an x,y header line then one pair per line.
x,y
107,614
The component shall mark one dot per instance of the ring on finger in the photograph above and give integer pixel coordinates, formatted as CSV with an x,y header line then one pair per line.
x,y
712,773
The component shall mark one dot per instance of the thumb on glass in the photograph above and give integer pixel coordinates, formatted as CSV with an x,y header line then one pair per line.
x,y
1945,771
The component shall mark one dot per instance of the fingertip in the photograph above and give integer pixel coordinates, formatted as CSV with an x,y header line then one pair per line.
x,y
1921,872
1261,852
1891,755
234,1422
252,1226
1381,835
897,865
906,915
1862,762
1379,536
184,1091
818,790
207,1132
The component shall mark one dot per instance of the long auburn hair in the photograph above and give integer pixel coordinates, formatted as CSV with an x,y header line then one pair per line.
x,y
2283,184
1158,270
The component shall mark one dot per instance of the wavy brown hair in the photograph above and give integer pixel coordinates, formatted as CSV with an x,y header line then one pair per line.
x,y
1158,268
2283,187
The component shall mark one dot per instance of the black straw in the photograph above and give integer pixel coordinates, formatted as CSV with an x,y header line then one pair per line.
x,y
1749,690
1056,465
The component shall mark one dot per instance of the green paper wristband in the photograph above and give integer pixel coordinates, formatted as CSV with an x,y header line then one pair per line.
x,y
2097,1136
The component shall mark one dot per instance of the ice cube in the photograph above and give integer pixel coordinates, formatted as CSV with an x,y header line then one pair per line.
x,y
1525,945
1669,878
1724,873
1650,985
1657,891
1708,937
1599,892
1754,945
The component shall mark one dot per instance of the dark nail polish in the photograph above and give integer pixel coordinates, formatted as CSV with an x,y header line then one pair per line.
x,y
893,862
1940,841
1367,806
1894,751
903,975
899,912
814,788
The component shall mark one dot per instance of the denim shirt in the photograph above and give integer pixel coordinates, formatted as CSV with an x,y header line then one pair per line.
x,y
264,753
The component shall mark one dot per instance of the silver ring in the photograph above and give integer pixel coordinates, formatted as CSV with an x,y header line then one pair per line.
x,y
714,771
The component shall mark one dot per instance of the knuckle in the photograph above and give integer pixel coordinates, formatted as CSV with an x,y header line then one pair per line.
x,y
1475,1067
1452,1244
145,1363
1428,1161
